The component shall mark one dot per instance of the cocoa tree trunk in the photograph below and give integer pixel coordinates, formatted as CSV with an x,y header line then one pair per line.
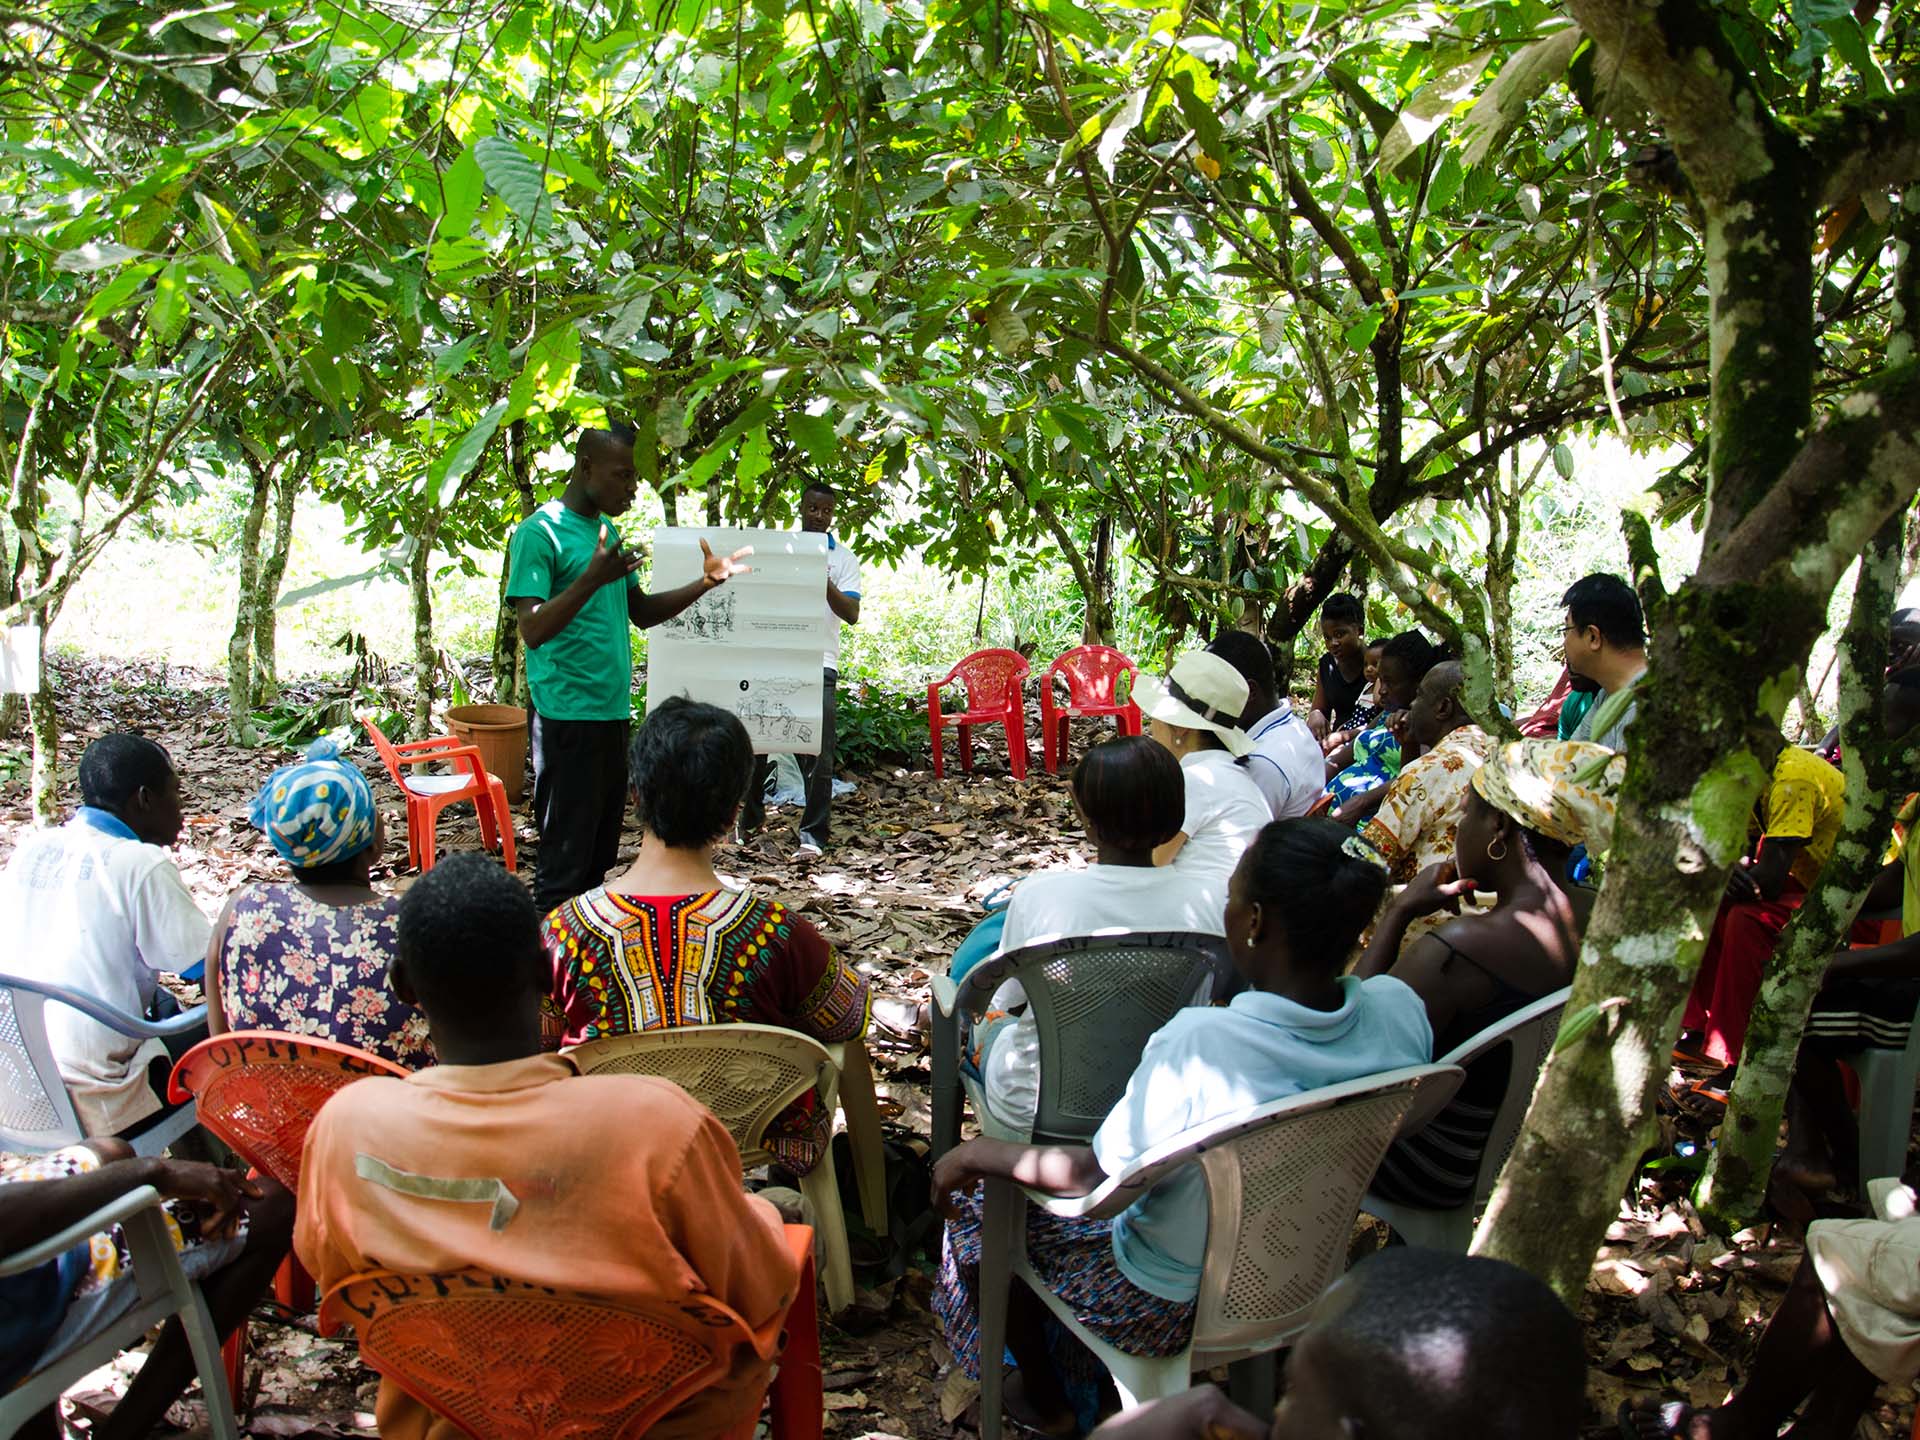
x,y
44,721
1730,1191
273,572
426,657
509,656
240,643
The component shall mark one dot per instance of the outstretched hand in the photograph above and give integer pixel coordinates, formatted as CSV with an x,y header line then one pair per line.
x,y
217,1196
1438,887
610,562
718,569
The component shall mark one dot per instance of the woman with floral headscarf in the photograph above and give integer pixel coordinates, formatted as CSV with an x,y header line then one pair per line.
x,y
310,957
1529,806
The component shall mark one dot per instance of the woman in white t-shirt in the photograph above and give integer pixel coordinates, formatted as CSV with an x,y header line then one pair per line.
x,y
1129,794
1195,713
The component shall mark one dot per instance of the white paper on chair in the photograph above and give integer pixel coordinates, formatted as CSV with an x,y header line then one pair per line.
x,y
754,645
20,660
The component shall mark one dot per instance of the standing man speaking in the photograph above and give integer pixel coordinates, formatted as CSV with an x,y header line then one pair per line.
x,y
574,593
843,608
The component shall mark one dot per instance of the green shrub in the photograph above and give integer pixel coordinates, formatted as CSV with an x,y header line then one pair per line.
x,y
877,724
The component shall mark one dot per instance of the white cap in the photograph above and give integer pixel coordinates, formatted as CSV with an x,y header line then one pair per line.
x,y
1201,692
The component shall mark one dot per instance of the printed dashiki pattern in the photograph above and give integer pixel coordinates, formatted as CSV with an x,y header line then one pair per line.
x,y
289,962
1376,761
623,964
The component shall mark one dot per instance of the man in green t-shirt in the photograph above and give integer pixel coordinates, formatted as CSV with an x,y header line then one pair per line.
x,y
574,593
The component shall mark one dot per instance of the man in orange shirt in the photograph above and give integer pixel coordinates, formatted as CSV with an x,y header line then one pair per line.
x,y
507,1160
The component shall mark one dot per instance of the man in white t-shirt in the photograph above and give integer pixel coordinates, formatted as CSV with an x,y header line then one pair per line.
x,y
843,608
96,906
1285,761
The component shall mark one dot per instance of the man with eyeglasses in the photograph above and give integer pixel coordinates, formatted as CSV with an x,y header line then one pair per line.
x,y
1605,643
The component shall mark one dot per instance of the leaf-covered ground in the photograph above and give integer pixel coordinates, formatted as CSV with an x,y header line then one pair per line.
x,y
1670,1308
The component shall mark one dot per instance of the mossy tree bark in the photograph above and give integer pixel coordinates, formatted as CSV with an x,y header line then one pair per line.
x,y
240,642
1790,508
1730,1192
273,572
509,656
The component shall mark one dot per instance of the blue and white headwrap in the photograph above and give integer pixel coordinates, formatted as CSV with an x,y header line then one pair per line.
x,y
317,810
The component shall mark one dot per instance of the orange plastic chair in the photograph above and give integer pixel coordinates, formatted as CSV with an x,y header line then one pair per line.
x,y
428,795
993,679
505,1360
258,1090
1093,674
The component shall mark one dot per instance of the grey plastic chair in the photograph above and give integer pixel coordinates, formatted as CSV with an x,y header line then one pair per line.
x,y
1530,1031
36,1113
1284,1181
165,1290
1096,1001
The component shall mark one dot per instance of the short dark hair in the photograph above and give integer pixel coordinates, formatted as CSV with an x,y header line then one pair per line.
x,y
689,767
115,766
1307,876
819,487
1607,603
1414,653
1343,606
1420,1345
1131,790
1253,658
469,938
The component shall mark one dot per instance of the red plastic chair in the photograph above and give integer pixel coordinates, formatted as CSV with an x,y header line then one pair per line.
x,y
993,679
258,1090
428,795
510,1361
1093,674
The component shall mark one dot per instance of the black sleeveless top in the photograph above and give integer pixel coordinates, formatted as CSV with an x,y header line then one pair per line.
x,y
1342,694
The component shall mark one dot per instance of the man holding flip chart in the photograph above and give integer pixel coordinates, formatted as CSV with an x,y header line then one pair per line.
x,y
843,608
574,592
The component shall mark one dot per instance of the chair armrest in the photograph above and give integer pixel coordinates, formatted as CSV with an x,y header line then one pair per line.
x,y
465,757
945,994
432,742
112,1213
183,1023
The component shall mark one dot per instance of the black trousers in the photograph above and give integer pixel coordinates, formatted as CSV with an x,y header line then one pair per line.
x,y
818,770
579,801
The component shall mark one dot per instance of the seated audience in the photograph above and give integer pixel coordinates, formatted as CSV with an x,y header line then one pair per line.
x,y
1850,1321
95,905
231,1234
1285,762
1195,712
1604,641
1531,803
1371,707
1341,677
1130,796
1417,816
310,957
1795,824
1297,903
1412,1345
1377,751
666,944
504,1159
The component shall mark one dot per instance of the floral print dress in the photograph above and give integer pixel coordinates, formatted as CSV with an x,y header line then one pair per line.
x,y
293,963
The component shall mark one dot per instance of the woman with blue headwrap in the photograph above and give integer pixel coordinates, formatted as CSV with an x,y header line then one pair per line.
x,y
310,957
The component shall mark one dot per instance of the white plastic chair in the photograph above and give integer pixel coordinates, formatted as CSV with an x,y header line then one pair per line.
x,y
1530,1031
165,1290
1096,1001
36,1113
1284,1182
746,1075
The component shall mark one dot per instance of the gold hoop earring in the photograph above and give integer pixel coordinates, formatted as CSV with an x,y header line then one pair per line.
x,y
1503,851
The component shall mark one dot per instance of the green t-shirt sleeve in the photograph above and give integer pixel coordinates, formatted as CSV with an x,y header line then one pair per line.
x,y
529,564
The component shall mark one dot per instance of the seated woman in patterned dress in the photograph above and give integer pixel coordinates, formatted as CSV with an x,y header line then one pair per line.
x,y
310,957
666,944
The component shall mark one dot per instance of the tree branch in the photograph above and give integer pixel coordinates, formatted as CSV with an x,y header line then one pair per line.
x,y
1866,145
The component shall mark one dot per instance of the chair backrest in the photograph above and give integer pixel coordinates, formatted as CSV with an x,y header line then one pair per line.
x,y
1096,1001
992,678
259,1090
509,1361
1284,1185
1093,674
1529,1034
36,1113
383,747
745,1074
